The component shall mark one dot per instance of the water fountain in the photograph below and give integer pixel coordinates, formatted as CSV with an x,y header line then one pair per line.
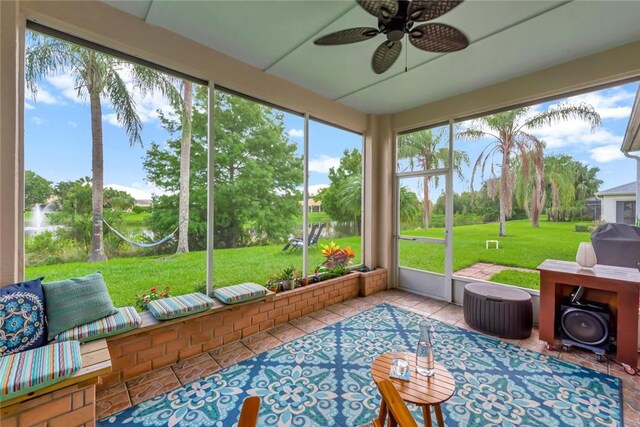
x,y
39,221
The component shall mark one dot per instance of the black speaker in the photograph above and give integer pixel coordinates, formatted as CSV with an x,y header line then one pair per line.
x,y
586,325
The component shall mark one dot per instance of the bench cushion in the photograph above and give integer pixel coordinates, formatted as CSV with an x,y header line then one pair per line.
x,y
74,302
125,319
240,293
22,317
30,370
182,305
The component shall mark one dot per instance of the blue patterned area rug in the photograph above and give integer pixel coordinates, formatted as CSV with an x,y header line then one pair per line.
x,y
323,379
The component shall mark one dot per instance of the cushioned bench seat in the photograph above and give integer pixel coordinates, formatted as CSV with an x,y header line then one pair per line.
x,y
240,293
182,305
125,319
24,372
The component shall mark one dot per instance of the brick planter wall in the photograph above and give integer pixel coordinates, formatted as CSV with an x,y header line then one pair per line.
x,y
159,344
69,406
373,281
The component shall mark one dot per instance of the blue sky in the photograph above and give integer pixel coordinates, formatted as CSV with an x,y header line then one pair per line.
x,y
58,139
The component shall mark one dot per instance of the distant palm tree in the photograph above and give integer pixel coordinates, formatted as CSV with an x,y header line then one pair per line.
x,y
97,77
423,151
511,138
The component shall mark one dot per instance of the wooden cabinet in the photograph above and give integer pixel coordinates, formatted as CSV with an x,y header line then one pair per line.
x,y
618,287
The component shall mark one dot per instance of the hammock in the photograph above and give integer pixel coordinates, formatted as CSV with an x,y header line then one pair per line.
x,y
138,244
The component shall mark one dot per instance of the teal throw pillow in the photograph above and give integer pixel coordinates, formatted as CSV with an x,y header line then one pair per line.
x,y
74,302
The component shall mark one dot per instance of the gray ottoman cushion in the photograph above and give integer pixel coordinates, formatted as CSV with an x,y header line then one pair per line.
x,y
498,310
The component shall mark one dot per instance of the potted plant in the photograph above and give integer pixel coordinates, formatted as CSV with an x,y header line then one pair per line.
x,y
288,278
273,285
336,262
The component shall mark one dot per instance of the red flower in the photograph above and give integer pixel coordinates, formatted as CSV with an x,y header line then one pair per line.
x,y
167,288
154,289
144,295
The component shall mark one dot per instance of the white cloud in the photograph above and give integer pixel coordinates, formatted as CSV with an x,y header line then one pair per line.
x,y
28,106
146,105
37,120
606,153
72,124
323,163
112,119
315,189
138,190
41,96
67,87
296,133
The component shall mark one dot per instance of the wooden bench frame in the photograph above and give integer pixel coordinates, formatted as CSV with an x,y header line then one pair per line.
x,y
96,362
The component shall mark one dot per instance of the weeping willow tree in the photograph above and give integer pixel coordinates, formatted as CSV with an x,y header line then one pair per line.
x,y
510,138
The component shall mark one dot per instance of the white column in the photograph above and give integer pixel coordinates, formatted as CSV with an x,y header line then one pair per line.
x,y
11,143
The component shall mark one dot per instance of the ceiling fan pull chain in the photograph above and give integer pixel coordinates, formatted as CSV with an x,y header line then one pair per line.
x,y
406,54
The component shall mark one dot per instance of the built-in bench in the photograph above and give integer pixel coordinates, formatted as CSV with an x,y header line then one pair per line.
x,y
157,344
68,402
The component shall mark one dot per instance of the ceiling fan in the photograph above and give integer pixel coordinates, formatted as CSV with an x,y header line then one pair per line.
x,y
395,20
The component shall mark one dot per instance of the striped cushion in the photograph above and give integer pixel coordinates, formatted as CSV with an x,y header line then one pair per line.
x,y
183,305
240,293
124,320
24,372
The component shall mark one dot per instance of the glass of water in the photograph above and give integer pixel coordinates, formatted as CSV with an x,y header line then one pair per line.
x,y
399,361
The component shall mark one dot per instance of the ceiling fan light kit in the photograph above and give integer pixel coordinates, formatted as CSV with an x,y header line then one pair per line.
x,y
396,19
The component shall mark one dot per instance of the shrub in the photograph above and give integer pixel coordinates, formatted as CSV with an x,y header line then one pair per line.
x,y
583,228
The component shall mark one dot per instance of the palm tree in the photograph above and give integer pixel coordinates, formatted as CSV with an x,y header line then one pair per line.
x,y
185,169
422,150
510,136
97,77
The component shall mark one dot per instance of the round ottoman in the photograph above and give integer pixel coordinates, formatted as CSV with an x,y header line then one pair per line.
x,y
498,310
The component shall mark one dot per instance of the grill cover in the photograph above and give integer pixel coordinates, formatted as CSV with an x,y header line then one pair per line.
x,y
617,244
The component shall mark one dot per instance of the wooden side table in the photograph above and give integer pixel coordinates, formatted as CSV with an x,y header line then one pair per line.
x,y
618,287
419,390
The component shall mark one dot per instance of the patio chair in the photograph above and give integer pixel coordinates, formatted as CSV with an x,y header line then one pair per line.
x,y
249,412
393,405
292,242
313,238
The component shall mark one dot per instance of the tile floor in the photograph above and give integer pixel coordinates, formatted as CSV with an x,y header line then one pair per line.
x,y
147,386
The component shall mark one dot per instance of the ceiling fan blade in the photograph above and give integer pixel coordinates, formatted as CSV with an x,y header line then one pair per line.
x,y
426,10
381,9
385,55
350,35
438,38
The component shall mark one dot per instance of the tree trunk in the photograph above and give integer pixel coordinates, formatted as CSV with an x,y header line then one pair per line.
x,y
537,199
505,193
426,214
185,171
97,178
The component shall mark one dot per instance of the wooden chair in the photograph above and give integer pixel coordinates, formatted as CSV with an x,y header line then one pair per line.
x,y
393,405
249,412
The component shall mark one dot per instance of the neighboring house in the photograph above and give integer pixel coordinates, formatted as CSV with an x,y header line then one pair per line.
x,y
619,204
314,205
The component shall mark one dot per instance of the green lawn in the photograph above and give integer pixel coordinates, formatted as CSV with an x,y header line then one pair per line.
x,y
185,273
518,278
524,245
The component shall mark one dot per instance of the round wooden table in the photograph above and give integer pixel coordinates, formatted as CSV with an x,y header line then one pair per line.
x,y
420,390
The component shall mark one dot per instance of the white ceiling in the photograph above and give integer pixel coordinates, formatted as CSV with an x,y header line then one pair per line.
x,y
508,38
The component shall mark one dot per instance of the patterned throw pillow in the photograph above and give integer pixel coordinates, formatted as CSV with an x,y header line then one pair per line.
x,y
240,293
22,321
74,302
